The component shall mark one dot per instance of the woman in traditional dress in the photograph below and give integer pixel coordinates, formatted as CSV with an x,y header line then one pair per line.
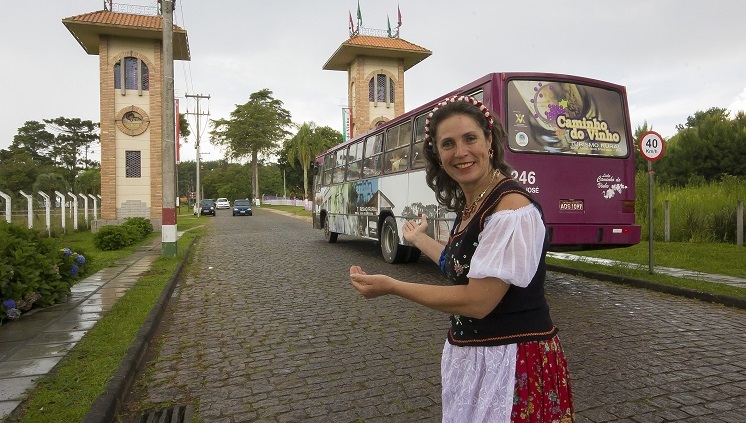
x,y
502,360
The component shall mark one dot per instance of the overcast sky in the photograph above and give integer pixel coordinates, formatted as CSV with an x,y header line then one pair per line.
x,y
675,57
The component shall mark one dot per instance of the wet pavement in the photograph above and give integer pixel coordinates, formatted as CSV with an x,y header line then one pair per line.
x,y
265,328
31,346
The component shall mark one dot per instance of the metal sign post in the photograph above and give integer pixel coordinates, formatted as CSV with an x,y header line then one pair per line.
x,y
651,147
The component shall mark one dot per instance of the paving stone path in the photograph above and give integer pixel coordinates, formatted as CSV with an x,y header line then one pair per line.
x,y
266,328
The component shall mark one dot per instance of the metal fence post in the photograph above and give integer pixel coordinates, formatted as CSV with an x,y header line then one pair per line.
x,y
739,224
7,205
667,222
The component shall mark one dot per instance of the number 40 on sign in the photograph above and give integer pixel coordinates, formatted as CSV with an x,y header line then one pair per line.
x,y
651,146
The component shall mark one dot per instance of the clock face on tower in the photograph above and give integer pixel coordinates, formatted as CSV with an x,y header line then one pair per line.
x,y
132,120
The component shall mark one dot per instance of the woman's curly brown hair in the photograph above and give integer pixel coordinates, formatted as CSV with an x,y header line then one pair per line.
x,y
447,191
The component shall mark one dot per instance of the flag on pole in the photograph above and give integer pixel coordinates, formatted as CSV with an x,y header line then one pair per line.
x,y
177,127
359,14
346,124
388,21
399,13
352,24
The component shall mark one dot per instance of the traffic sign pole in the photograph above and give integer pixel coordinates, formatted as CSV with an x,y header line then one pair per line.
x,y
651,147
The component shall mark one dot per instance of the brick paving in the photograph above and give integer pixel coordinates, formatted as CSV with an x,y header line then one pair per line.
x,y
266,328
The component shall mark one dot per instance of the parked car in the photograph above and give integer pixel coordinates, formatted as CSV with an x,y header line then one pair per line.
x,y
242,208
223,203
207,206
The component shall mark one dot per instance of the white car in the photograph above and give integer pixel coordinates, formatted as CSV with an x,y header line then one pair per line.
x,y
222,203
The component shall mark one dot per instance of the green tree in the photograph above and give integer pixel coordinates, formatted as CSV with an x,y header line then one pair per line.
x,y
302,148
49,183
72,143
19,170
289,181
708,147
254,128
184,130
88,182
329,137
34,140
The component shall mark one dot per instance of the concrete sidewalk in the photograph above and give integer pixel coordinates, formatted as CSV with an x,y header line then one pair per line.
x,y
33,345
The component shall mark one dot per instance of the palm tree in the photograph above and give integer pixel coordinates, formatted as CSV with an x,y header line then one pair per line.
x,y
303,147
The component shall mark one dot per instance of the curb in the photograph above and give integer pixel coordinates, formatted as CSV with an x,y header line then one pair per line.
x,y
104,409
725,300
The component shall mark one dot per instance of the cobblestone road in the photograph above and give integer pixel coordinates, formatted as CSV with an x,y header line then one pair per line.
x,y
266,328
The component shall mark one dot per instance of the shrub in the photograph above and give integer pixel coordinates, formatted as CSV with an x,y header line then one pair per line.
x,y
34,271
139,225
113,237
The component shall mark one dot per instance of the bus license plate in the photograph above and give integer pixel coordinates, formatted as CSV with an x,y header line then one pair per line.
x,y
571,205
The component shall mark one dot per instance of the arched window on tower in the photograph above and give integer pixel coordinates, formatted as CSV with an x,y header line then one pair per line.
x,y
381,88
134,73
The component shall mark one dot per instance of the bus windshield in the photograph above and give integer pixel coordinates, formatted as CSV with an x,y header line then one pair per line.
x,y
565,118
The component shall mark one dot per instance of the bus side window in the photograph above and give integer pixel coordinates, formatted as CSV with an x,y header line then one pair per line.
x,y
372,160
341,164
396,157
328,167
354,160
418,154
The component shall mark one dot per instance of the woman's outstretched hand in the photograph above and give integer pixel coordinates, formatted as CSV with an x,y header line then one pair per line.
x,y
370,286
413,230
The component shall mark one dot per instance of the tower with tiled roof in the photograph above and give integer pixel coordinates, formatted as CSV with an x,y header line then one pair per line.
x,y
129,46
375,66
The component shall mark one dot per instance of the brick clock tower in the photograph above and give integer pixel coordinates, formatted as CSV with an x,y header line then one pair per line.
x,y
375,66
129,47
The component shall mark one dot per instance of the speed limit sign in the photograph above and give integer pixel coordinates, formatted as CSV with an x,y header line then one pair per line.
x,y
651,145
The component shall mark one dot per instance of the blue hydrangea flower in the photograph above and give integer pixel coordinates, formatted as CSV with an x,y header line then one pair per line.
x,y
81,259
9,304
74,270
66,252
13,313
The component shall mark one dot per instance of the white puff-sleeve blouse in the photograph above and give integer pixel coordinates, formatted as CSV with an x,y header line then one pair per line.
x,y
510,246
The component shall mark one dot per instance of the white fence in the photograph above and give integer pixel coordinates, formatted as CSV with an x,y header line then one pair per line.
x,y
280,201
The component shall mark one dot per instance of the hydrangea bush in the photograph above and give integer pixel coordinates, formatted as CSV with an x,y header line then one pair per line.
x,y
34,271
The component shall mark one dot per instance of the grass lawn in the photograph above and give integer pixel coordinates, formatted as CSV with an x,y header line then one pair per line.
x,y
717,258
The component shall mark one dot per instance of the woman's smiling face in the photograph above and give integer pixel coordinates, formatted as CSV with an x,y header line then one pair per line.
x,y
463,150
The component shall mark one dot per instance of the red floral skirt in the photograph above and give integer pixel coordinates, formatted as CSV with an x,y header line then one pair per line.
x,y
542,385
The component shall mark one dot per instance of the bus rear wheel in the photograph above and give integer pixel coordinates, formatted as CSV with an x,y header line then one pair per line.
x,y
329,236
391,249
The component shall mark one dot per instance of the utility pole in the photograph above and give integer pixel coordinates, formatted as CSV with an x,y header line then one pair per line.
x,y
197,192
168,203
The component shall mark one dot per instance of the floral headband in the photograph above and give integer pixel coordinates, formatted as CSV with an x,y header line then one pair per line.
x,y
454,99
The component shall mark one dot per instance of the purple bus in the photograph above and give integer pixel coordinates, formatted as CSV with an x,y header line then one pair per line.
x,y
569,141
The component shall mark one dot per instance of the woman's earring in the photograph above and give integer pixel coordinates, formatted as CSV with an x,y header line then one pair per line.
x,y
492,153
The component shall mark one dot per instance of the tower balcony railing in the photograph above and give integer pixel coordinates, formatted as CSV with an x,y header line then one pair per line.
x,y
132,9
375,32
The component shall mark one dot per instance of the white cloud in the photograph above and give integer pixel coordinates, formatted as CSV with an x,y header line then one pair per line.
x,y
739,104
674,57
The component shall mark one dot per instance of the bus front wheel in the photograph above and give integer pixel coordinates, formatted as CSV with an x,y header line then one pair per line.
x,y
330,236
391,249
